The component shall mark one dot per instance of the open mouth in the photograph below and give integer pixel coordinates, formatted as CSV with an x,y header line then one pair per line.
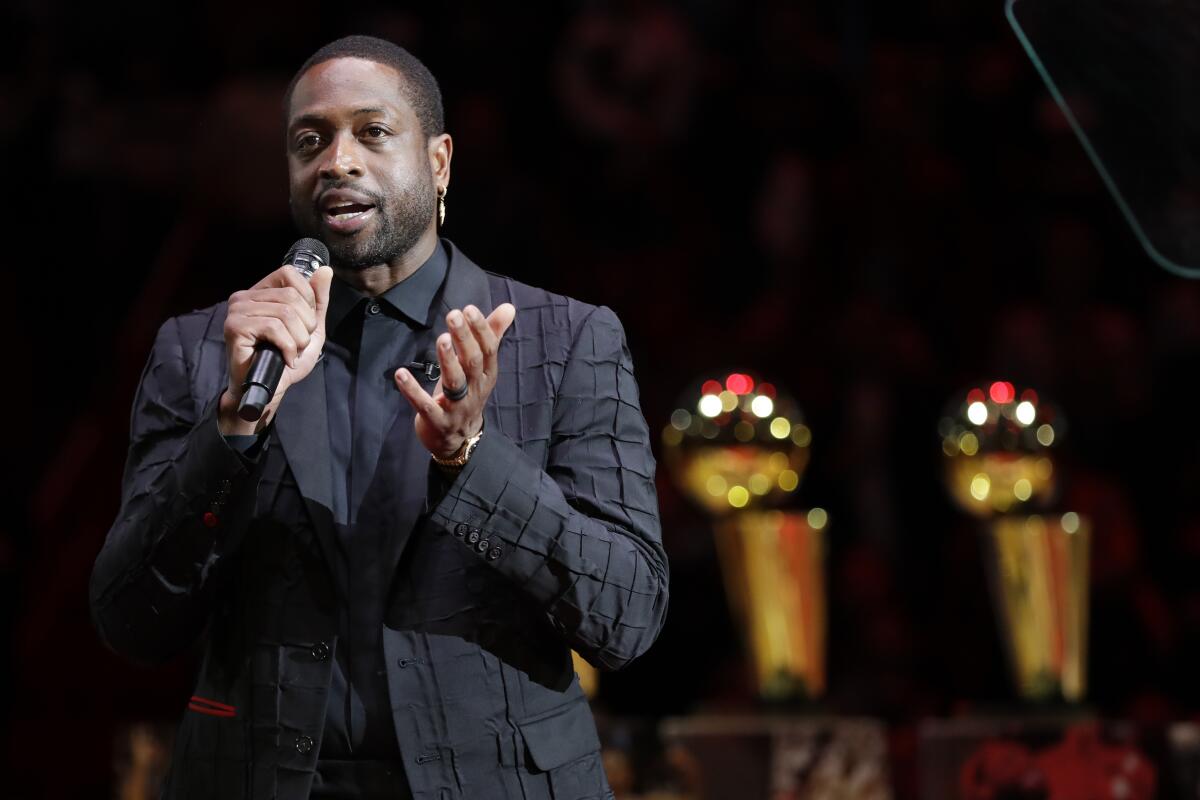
x,y
347,216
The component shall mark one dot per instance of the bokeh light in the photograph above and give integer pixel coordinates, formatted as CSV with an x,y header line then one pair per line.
x,y
746,448
997,443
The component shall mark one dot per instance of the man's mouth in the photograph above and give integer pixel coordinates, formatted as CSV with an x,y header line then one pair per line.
x,y
346,215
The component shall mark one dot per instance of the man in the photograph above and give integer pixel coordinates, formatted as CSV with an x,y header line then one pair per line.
x,y
392,565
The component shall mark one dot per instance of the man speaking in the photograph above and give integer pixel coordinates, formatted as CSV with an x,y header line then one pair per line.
x,y
450,488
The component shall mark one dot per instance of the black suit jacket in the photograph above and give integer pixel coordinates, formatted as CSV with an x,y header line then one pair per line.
x,y
548,540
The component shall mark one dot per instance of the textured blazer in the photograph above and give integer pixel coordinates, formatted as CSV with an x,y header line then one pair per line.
x,y
548,540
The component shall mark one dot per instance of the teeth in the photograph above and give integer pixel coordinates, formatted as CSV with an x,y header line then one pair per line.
x,y
346,211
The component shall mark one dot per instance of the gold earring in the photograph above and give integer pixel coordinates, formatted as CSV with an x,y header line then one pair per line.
x,y
441,205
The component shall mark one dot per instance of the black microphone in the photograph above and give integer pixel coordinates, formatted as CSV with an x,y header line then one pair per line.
x,y
306,255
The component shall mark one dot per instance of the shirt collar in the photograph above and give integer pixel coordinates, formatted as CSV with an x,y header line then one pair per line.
x,y
411,297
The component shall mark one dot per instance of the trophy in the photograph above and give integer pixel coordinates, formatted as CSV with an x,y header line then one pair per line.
x,y
999,467
738,448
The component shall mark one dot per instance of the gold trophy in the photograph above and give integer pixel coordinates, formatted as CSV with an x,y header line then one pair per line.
x,y
738,448
999,467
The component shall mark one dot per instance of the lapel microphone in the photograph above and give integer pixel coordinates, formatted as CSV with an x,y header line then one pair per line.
x,y
429,369
306,256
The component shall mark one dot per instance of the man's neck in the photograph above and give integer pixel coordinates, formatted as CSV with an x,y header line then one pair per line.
x,y
374,281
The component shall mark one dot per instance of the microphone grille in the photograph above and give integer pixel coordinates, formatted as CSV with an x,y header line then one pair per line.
x,y
307,255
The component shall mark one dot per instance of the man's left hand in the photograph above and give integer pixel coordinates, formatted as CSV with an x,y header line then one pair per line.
x,y
468,358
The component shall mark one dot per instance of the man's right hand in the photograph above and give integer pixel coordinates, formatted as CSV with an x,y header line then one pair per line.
x,y
282,309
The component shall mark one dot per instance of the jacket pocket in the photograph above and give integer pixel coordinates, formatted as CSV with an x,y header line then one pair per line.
x,y
564,735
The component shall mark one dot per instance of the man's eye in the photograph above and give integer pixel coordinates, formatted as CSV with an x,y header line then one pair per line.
x,y
307,142
375,132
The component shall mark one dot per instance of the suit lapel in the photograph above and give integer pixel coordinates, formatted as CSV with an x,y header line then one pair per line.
x,y
466,284
302,424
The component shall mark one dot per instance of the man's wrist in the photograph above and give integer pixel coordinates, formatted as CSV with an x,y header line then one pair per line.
x,y
458,459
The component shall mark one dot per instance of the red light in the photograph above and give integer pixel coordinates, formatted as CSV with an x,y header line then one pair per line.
x,y
739,383
710,387
768,389
1029,396
975,396
1002,392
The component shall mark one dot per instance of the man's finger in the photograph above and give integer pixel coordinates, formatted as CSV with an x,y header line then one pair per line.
x,y
501,317
284,313
485,337
452,371
469,354
288,296
288,276
320,283
420,400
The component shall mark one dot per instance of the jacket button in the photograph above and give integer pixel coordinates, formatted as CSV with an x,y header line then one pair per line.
x,y
320,651
304,745
494,553
481,546
473,536
460,530
406,662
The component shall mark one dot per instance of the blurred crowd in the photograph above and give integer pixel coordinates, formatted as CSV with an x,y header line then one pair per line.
x,y
874,205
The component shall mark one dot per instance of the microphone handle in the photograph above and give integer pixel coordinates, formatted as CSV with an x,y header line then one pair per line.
x,y
267,367
261,382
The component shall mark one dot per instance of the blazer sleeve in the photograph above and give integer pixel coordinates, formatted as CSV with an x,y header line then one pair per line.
x,y
184,502
581,537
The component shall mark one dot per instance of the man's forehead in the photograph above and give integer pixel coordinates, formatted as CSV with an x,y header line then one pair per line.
x,y
348,85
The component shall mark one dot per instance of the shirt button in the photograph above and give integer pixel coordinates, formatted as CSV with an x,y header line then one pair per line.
x,y
494,553
473,536
304,745
481,546
320,651
372,308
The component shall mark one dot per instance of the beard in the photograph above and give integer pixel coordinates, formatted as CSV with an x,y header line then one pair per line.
x,y
399,222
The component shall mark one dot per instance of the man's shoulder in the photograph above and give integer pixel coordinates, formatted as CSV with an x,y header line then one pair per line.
x,y
554,311
200,323
192,331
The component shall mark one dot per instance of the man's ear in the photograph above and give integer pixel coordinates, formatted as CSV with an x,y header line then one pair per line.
x,y
441,148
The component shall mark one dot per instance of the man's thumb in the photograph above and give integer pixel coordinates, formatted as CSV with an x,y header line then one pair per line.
x,y
320,282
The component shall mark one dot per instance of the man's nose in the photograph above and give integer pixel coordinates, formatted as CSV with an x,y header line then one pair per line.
x,y
341,159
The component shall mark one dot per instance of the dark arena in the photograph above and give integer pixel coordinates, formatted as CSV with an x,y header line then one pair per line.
x,y
603,401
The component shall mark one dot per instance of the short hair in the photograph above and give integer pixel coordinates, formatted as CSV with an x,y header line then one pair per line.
x,y
420,88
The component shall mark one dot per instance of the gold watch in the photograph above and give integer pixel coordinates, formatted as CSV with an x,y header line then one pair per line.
x,y
462,455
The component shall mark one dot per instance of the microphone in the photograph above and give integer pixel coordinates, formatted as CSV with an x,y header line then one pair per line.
x,y
306,256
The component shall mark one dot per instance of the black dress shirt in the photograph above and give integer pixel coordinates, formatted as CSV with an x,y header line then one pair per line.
x,y
367,340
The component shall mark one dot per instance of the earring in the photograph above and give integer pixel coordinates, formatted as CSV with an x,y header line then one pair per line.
x,y
441,205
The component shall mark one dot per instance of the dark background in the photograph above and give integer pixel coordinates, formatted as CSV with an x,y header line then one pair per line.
x,y
873,204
